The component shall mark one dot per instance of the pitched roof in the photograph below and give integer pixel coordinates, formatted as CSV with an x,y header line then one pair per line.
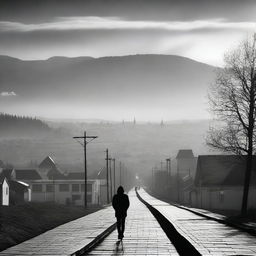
x,y
2,178
221,170
55,174
185,153
7,173
18,185
27,174
47,163
75,176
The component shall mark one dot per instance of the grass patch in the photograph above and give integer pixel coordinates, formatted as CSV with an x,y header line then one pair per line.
x,y
21,222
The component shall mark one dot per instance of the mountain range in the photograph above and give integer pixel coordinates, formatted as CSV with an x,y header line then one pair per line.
x,y
150,87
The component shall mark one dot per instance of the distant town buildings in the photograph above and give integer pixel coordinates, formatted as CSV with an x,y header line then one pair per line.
x,y
213,182
49,183
186,163
219,183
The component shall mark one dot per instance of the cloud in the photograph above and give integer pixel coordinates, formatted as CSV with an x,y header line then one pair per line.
x,y
8,94
203,40
112,23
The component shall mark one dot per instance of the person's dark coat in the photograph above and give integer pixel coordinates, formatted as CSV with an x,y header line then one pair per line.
x,y
120,203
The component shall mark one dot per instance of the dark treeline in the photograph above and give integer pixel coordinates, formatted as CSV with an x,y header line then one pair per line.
x,y
20,124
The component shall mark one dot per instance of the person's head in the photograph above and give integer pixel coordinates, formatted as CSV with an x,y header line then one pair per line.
x,y
120,190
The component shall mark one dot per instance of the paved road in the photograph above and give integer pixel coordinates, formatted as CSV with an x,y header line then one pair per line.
x,y
143,235
207,236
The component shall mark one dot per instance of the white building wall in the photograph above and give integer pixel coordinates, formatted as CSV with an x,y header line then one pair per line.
x,y
5,193
65,197
27,195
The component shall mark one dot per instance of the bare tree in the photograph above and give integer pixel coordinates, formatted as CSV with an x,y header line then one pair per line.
x,y
232,99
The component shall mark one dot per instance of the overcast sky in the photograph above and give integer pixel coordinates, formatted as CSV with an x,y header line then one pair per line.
x,y
199,29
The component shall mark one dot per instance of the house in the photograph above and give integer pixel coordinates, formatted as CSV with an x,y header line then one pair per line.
x,y
4,191
65,191
219,183
45,166
18,191
186,163
49,183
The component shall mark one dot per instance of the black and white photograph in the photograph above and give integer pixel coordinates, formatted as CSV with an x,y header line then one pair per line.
x,y
127,127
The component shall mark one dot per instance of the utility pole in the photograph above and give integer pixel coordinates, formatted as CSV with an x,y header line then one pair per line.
x,y
152,178
107,176
168,166
110,172
91,138
120,174
114,161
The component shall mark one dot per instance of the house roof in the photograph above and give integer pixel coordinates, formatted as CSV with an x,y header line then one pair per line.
x,y
185,153
55,174
27,174
18,185
47,163
2,178
221,170
7,173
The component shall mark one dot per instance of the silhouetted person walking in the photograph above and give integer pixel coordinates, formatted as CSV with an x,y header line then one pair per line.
x,y
120,203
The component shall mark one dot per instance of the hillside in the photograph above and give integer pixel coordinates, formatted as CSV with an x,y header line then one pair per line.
x,y
148,86
17,126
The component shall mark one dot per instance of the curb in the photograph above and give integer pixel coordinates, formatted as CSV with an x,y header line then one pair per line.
x,y
182,245
97,240
222,221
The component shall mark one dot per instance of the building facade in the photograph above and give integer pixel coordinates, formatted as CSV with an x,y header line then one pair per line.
x,y
219,183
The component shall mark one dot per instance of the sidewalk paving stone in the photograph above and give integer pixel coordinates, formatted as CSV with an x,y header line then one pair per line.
x,y
207,236
143,235
67,238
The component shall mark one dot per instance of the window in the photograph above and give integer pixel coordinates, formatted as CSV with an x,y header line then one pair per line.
x,y
64,187
37,188
7,190
75,187
89,188
49,188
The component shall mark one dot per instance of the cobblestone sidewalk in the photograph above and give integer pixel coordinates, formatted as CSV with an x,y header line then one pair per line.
x,y
143,235
207,236
65,239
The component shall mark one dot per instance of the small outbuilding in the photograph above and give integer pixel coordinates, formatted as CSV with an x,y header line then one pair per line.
x,y
4,191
